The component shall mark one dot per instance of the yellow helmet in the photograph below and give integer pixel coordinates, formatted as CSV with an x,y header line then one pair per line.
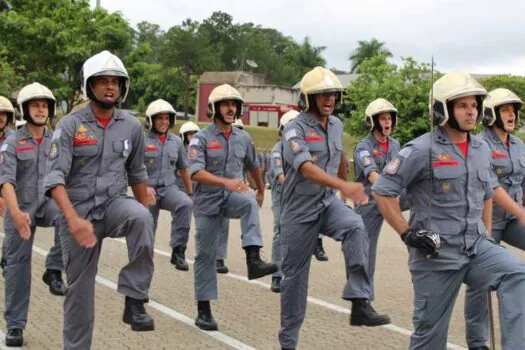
x,y
224,92
450,87
318,81
377,107
157,107
35,91
495,99
287,117
7,107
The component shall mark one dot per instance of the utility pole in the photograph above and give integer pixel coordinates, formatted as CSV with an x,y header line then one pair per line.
x,y
98,3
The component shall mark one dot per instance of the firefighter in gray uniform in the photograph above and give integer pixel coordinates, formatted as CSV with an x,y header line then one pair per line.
x,y
7,118
164,156
217,155
23,158
500,117
312,153
276,175
370,157
95,152
451,187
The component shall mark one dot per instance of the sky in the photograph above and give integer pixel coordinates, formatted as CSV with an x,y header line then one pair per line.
x,y
484,37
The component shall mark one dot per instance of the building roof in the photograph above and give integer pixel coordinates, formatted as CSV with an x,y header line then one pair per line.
x,y
345,79
232,78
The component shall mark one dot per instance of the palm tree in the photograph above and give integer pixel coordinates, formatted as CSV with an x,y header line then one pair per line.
x,y
366,49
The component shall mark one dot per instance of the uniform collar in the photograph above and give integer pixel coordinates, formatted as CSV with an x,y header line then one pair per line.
x,y
153,134
441,136
496,139
215,129
312,120
373,139
87,113
24,134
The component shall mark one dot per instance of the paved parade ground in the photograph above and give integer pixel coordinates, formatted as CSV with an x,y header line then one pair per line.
x,y
247,312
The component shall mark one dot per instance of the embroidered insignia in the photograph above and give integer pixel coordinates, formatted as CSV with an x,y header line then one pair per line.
x,y
392,167
367,161
315,157
84,136
445,186
53,151
151,147
377,153
445,159
499,154
313,137
22,142
295,146
215,144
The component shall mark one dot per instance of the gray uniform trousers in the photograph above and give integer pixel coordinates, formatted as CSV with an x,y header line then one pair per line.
x,y
435,292
236,206
277,255
222,247
476,301
180,205
373,221
17,271
298,243
123,217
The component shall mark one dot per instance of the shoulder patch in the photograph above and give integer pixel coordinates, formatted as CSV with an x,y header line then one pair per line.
x,y
392,167
56,134
364,153
4,147
405,152
290,134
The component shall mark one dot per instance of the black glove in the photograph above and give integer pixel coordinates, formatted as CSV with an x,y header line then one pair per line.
x,y
424,240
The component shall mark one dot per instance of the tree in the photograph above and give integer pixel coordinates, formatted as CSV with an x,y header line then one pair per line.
x,y
187,48
365,50
48,41
407,87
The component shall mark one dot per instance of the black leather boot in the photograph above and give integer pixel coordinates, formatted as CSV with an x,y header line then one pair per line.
x,y
53,278
276,285
256,267
319,252
205,320
221,267
178,258
363,314
14,337
135,315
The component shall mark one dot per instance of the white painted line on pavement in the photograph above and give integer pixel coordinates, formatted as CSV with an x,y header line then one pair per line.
x,y
311,300
234,343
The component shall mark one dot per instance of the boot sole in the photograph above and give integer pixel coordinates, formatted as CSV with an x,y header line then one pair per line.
x,y
14,343
182,268
253,276
276,290
206,328
223,271
142,328
359,322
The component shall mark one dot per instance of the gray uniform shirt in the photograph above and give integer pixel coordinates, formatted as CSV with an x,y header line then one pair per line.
x,y
95,163
508,163
305,139
23,164
369,156
163,160
457,188
210,150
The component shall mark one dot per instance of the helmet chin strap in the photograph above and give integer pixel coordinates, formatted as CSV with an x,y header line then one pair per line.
x,y
99,103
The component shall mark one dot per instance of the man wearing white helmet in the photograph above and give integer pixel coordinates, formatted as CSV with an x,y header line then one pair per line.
x,y
23,160
371,154
217,156
500,118
164,157
451,188
312,156
96,151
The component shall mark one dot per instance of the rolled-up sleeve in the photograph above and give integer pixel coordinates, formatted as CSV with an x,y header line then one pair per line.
x,y
8,162
295,149
196,154
60,155
135,164
181,157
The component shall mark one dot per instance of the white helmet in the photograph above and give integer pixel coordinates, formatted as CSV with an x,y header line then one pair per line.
x,y
224,92
104,63
496,99
377,107
238,123
157,107
7,107
187,127
286,117
450,87
35,91
20,123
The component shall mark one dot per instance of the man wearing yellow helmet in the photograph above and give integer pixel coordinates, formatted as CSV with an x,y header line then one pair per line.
x,y
451,188
217,156
371,154
312,154
23,161
500,118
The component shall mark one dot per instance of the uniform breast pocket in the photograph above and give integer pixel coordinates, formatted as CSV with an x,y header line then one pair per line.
x,y
240,153
215,159
25,159
502,167
317,151
483,184
122,148
151,159
522,163
447,183
336,156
